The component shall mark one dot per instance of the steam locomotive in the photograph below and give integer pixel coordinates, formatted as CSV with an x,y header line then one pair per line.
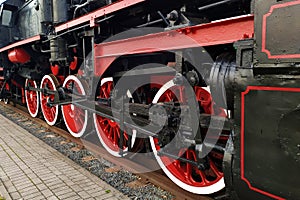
x,y
219,78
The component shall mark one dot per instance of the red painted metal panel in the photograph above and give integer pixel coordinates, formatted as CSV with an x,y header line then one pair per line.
x,y
215,33
98,13
26,41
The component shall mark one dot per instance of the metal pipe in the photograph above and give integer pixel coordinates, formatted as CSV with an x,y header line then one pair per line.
x,y
80,6
163,18
200,164
215,4
72,46
150,23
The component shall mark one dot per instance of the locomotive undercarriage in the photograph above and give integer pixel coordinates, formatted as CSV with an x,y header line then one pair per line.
x,y
186,165
205,120
206,170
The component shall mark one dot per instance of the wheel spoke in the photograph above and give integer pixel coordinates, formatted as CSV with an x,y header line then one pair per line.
x,y
215,169
116,137
189,167
202,175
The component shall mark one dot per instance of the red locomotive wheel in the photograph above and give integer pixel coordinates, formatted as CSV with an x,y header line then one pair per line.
x,y
32,98
75,118
50,113
109,131
185,175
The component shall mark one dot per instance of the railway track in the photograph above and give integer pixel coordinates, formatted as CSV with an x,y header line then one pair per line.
x,y
154,177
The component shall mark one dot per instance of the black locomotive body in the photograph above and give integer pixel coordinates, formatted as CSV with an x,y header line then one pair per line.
x,y
218,81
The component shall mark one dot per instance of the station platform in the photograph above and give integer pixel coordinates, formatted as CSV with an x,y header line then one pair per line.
x,y
30,169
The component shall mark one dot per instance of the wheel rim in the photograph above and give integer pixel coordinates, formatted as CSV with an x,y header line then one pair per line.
x,y
107,130
32,98
50,113
75,118
183,174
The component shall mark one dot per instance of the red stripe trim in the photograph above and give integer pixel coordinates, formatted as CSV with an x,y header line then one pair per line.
x,y
98,13
26,41
214,33
264,31
243,94
218,32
